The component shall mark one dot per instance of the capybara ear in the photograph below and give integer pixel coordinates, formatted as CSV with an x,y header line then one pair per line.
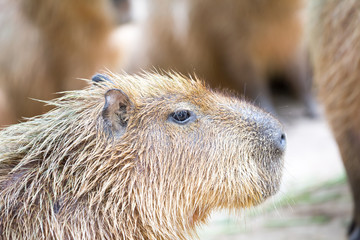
x,y
116,112
100,78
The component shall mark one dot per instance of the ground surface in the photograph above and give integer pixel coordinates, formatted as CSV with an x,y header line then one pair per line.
x,y
314,202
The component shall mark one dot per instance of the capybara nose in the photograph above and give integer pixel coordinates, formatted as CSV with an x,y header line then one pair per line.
x,y
280,141
270,131
275,136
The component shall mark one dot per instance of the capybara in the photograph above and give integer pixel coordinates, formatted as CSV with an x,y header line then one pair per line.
x,y
135,157
47,44
231,44
335,50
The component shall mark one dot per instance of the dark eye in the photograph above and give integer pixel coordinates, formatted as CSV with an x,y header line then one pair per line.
x,y
181,117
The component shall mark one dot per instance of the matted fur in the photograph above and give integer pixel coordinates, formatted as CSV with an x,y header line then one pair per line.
x,y
63,177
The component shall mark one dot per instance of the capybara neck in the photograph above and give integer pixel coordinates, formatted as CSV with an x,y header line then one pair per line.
x,y
135,157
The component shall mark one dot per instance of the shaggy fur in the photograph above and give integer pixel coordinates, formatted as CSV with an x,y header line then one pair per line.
x,y
45,45
65,175
335,48
230,43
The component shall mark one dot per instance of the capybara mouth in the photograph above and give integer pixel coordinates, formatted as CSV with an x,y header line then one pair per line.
x,y
268,150
271,175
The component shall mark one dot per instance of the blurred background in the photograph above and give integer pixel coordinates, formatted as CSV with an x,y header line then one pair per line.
x,y
256,49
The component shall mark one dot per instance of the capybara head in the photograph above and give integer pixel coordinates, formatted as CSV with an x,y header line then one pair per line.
x,y
135,157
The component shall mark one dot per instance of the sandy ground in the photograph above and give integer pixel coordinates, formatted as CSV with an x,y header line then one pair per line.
x,y
314,202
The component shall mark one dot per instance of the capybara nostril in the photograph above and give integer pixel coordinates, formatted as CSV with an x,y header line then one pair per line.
x,y
281,142
270,132
276,137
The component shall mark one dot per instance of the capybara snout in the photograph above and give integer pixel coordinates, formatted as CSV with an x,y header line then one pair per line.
x,y
264,139
271,132
135,157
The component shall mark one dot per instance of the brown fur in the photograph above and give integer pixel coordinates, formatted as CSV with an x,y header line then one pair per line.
x,y
335,48
71,174
45,45
232,44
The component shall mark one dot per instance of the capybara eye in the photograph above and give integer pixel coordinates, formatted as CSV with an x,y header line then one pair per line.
x,y
181,117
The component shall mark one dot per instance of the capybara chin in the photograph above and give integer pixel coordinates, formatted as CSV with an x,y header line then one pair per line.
x,y
335,50
135,157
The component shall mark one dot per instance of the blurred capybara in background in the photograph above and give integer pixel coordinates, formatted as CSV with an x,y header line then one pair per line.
x,y
47,44
232,44
335,48
135,157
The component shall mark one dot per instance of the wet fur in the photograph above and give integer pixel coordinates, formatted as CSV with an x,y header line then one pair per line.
x,y
63,177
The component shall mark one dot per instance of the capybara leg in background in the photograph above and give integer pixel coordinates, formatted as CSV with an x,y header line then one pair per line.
x,y
335,49
135,157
